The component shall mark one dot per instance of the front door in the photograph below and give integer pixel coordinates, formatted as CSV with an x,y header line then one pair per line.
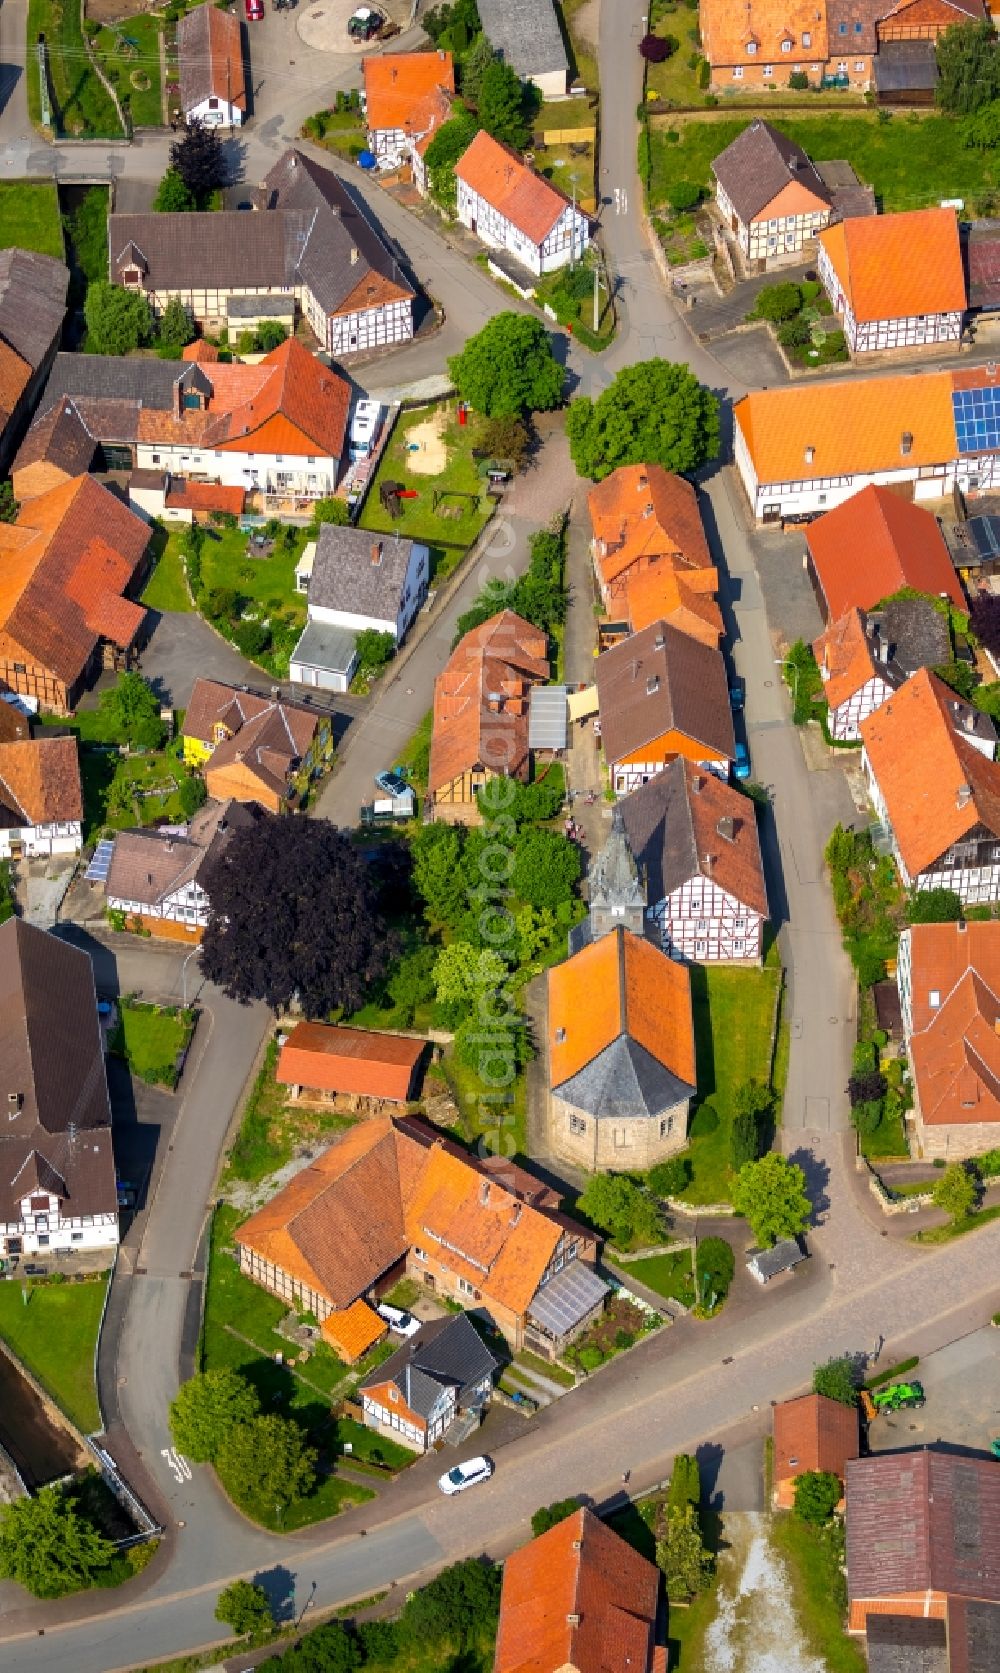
x,y
429,1281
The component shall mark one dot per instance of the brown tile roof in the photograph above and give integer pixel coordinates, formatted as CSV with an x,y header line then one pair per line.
x,y
210,53
14,723
814,1433
846,655
875,543
324,1058
59,437
52,1055
577,1597
354,1330
77,548
499,176
390,1183
269,737
150,865
761,164
661,681
620,990
411,91
922,1522
643,511
896,266
686,822
185,495
40,782
936,785
481,700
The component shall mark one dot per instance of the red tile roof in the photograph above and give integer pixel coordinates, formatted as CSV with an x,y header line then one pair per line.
x,y
846,655
814,1433
481,700
620,987
185,495
577,1597
515,191
875,543
351,1060
897,266
267,736
954,1046
411,91
644,511
354,1330
40,781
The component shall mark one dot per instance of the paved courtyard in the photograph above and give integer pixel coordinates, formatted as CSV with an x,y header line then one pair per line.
x,y
962,1385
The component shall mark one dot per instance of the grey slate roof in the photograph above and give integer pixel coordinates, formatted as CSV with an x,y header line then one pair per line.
x,y
308,231
257,305
444,1353
32,302
659,822
561,1304
120,386
758,165
526,34
973,1636
916,633
906,1644
906,67
328,647
624,1080
784,1255
359,572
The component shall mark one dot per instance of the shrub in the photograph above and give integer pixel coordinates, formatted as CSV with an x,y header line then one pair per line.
x,y
591,1357
668,1179
656,49
683,195
778,302
705,76
817,1494
704,1122
715,1264
867,1087
549,1515
685,1482
837,1379
799,81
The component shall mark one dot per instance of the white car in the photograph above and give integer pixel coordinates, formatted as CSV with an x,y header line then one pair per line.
x,y
466,1475
403,1323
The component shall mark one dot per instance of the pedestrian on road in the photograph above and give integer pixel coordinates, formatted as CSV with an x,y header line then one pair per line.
x,y
625,1477
879,1345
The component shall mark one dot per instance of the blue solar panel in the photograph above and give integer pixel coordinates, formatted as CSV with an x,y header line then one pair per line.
x,y
977,419
97,871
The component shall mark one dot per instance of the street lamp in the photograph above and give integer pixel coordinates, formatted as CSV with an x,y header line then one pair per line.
x,y
305,1606
184,968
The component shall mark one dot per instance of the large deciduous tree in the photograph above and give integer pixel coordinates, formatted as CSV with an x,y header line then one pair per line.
x,y
206,1408
118,321
294,910
837,1379
817,1495
681,1554
173,197
48,1547
955,1192
267,1461
771,1196
130,710
505,105
508,368
655,413
176,330
200,161
968,68
245,1608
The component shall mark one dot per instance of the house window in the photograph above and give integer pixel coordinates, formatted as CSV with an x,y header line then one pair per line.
x,y
751,48
666,1126
842,29
418,1253
737,72
807,39
43,1242
76,1237
842,67
738,925
394,1395
786,46
702,926
768,69
934,998
464,1287
859,65
213,104
577,1124
156,458
857,28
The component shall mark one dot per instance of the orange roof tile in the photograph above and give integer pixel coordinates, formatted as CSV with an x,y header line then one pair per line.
x,y
301,400
642,511
15,375
577,1597
936,785
727,29
514,190
872,544
354,1330
658,593
40,779
846,658
940,954
184,494
853,426
408,90
481,700
201,351
896,266
956,1059
620,986
324,1058
814,1433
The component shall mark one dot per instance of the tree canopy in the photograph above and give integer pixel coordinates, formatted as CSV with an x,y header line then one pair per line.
x,y
118,321
244,1607
771,1196
539,595
549,1516
200,161
176,329
448,144
173,197
267,1461
130,710
508,368
294,910
505,105
616,1204
837,1379
955,1192
817,1495
473,67
48,1547
546,867
206,1408
681,1554
968,67
655,413
934,906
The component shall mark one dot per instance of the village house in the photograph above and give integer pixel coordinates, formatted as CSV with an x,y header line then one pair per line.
x,y
770,197
811,1433
439,1378
948,977
526,34
363,580
481,713
391,1197
407,97
694,839
511,209
307,246
661,693
56,449
621,1037
179,500
897,281
803,450
155,876
929,768
69,562
33,291
254,749
941,1511
277,429
872,545
645,517
863,658
57,1166
41,801
579,1599
361,1066
210,63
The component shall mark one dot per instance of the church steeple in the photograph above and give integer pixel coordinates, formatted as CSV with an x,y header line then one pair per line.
x,y
617,893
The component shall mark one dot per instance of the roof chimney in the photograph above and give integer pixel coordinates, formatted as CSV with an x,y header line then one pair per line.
x,y
652,685
906,442
810,455
964,796
376,552
393,72
560,1036
354,255
573,1620
484,1193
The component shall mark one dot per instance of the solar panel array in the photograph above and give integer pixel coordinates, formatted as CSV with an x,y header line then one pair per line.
x,y
977,419
985,531
97,871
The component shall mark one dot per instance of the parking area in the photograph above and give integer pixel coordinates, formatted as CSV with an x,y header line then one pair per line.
x,y
962,1385
788,596
751,357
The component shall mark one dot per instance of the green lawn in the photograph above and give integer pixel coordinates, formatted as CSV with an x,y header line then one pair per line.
x,y
121,791
958,1228
271,1128
166,588
456,521
887,1139
150,1038
80,106
271,580
545,1368
55,1335
734,1014
134,74
583,55
911,163
818,1590
29,217
369,1446
668,1275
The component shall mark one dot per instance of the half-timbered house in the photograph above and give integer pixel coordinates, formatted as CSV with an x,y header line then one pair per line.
x,y
695,843
509,207
948,977
481,708
253,748
769,195
928,762
863,658
408,95
897,281
662,693
41,799
156,877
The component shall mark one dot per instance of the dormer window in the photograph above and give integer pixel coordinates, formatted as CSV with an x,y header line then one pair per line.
x,y
751,48
786,45
131,278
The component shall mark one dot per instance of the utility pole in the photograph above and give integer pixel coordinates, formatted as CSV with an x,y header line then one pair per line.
x,y
600,278
572,234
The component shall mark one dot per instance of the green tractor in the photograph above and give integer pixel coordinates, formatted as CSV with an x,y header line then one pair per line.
x,y
895,1397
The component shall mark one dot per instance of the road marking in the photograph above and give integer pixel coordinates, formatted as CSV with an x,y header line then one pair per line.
x,y
177,1464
